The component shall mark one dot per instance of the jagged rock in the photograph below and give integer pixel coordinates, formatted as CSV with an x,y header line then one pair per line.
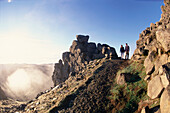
x,y
165,101
155,87
81,52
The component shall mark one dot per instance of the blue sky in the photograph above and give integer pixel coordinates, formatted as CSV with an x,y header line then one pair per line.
x,y
39,31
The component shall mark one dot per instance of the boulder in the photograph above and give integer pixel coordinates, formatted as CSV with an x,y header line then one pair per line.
x,y
148,63
66,57
161,60
158,24
152,26
99,47
168,26
82,38
164,80
123,78
165,101
104,49
145,32
163,36
155,87
165,74
91,47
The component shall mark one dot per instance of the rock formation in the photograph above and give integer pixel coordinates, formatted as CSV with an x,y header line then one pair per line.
x,y
80,54
153,49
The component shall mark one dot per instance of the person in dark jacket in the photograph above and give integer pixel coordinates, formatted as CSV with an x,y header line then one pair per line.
x,y
122,50
127,49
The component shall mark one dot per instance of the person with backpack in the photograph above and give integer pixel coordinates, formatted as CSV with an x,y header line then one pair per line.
x,y
122,50
127,49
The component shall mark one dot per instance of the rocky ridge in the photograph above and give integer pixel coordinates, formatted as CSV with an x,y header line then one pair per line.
x,y
153,49
80,54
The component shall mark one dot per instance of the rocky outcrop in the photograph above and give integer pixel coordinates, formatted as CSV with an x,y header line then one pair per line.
x,y
153,49
2,95
80,54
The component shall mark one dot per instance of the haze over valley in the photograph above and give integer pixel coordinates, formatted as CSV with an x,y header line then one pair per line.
x,y
24,81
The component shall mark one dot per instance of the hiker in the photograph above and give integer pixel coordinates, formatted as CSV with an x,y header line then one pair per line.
x,y
127,49
122,50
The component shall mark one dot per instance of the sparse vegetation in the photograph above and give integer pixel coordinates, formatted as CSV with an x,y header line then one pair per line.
x,y
125,98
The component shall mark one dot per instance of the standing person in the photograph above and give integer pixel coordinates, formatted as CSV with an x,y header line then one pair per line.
x,y
122,50
127,49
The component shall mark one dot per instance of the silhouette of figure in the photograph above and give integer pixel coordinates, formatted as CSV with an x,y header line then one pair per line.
x,y
127,49
122,50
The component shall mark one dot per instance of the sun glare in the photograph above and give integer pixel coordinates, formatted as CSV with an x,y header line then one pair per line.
x,y
19,48
9,1
19,80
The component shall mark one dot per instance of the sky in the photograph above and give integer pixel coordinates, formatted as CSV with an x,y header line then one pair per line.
x,y
39,31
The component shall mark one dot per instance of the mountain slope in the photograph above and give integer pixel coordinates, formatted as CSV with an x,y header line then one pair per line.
x,y
2,94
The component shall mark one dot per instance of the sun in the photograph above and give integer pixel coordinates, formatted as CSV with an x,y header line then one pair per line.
x,y
9,1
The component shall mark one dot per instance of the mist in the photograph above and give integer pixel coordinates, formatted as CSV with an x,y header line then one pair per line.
x,y
24,81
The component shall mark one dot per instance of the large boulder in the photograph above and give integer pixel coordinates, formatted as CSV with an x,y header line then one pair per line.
x,y
165,101
155,87
164,38
123,78
82,38
165,74
161,60
149,63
